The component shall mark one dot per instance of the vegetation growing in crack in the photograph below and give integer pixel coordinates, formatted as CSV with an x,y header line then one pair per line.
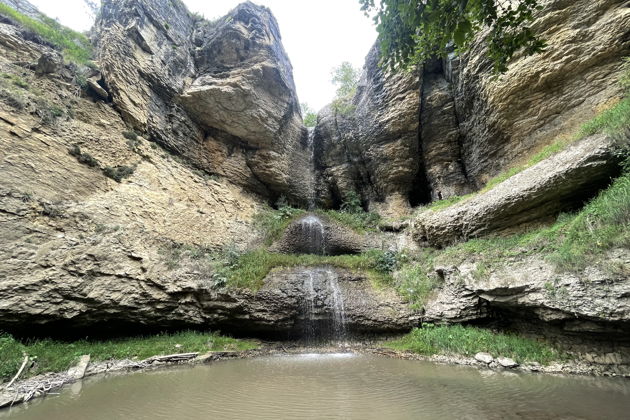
x,y
48,355
75,46
467,341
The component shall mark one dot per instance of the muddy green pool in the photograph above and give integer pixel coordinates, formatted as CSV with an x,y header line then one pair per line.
x,y
332,386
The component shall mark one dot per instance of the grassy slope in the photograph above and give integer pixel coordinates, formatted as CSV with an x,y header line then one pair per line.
x,y
467,341
75,46
56,356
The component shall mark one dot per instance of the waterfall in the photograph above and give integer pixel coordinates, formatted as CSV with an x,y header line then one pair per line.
x,y
323,306
313,236
338,309
309,307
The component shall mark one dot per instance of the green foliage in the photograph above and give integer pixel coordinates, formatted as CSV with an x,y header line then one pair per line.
x,y
250,268
118,173
75,46
572,243
416,279
346,78
411,32
352,203
272,223
15,80
84,158
309,115
467,341
11,356
614,121
56,356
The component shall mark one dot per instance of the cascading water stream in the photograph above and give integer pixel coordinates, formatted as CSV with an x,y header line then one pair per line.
x,y
323,306
309,306
313,235
338,308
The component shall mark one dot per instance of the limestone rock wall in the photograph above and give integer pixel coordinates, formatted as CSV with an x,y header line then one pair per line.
x,y
543,96
448,128
372,150
220,93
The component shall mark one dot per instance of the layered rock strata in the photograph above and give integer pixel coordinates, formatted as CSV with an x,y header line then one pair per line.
x,y
219,93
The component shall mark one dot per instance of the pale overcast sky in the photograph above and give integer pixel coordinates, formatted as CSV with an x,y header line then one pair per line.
x,y
318,35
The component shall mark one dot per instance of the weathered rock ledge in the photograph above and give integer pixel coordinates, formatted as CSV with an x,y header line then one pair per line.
x,y
588,312
558,183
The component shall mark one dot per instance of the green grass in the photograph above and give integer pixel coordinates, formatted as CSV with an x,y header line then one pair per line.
x,y
612,121
56,356
360,222
75,46
272,223
249,269
416,279
467,341
572,243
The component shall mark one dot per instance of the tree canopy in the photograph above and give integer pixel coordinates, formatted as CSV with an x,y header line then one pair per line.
x,y
346,78
412,31
309,116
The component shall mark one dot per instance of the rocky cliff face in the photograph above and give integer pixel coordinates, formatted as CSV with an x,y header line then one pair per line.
x,y
448,128
220,93
373,149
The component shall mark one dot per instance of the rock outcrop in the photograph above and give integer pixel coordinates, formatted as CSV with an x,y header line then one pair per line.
x,y
449,127
529,294
314,235
559,183
541,97
220,93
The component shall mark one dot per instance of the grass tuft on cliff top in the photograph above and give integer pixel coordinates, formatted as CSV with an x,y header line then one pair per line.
x,y
467,341
75,46
57,356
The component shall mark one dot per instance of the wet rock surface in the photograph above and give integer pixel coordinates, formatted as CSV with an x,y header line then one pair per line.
x,y
314,235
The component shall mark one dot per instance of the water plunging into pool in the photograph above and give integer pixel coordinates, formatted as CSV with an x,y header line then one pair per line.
x,y
324,316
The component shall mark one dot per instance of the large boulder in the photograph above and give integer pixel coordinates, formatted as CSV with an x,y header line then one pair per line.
x,y
559,183
221,94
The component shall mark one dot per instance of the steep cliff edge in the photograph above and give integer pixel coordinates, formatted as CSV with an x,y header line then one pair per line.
x,y
220,93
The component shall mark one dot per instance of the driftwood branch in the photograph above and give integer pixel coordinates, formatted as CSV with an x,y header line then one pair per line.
x,y
172,357
17,375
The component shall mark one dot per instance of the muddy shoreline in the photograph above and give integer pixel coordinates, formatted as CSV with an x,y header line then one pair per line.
x,y
39,386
